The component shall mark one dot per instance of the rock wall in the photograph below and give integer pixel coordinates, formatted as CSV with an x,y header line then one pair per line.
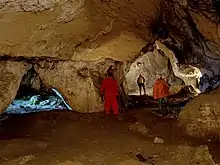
x,y
194,29
78,82
71,31
74,82
149,65
11,74
75,29
188,73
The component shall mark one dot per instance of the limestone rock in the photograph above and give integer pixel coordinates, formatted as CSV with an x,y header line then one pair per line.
x,y
11,75
75,29
194,27
207,24
202,156
201,116
188,73
148,65
198,155
74,83
78,82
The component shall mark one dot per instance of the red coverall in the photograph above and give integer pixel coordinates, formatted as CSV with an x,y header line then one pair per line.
x,y
109,88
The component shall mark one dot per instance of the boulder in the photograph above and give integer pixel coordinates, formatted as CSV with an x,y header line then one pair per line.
x,y
78,82
74,83
202,156
191,155
11,74
200,118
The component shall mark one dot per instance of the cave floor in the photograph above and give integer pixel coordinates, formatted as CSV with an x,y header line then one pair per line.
x,y
70,138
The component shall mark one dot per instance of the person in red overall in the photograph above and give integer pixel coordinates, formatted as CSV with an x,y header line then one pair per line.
x,y
109,89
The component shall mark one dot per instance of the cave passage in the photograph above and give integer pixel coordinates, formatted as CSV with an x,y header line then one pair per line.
x,y
29,101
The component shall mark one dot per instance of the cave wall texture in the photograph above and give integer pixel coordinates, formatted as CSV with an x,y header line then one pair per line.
x,y
71,43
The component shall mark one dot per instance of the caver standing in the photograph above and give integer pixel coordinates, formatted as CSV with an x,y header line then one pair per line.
x,y
109,92
140,83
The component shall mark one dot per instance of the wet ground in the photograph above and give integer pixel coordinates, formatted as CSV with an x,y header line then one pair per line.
x,y
70,138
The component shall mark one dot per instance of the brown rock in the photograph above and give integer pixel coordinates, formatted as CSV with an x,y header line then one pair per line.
x,y
191,155
11,75
78,82
75,29
74,83
201,116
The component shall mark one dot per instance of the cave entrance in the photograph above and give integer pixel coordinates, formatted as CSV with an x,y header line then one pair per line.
x,y
33,96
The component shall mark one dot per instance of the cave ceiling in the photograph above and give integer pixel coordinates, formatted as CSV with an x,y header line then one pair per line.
x,y
88,30
75,29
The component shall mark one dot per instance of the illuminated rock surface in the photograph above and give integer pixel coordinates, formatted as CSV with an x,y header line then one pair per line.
x,y
201,117
11,75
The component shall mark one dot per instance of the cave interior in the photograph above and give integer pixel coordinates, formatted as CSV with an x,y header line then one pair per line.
x,y
54,56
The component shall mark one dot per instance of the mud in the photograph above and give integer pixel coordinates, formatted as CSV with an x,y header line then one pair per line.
x,y
58,137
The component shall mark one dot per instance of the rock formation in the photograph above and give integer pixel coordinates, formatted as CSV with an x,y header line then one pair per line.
x,y
75,29
149,65
11,74
78,82
199,155
189,74
193,26
200,118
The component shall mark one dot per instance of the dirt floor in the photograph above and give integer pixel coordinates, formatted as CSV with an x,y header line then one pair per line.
x,y
70,138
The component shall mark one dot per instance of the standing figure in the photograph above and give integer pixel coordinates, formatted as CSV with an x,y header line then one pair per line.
x,y
140,83
160,92
109,92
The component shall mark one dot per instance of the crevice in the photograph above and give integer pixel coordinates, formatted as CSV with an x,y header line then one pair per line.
x,y
26,86
30,60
